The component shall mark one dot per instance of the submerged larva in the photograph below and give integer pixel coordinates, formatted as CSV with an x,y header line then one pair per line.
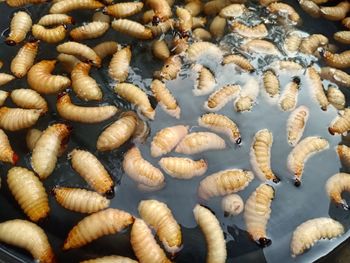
x,y
310,44
335,185
142,171
183,168
106,48
118,68
49,35
29,236
257,212
337,12
302,152
198,142
41,80
68,61
316,87
310,7
257,31
260,46
29,99
110,259
292,42
289,97
214,236
29,192
247,96
224,182
55,19
21,24
232,11
94,226
232,205
271,83
14,119
160,49
240,61
132,28
185,20
24,59
6,153
80,200
337,60
217,27
137,96
343,152
205,81
336,97
18,3
296,124
66,6
342,37
3,97
32,137
284,9
337,76
200,49
218,99
341,123
121,10
309,232
91,30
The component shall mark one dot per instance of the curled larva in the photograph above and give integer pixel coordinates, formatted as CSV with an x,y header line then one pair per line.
x,y
142,171
292,42
41,80
183,168
271,83
201,49
341,123
336,97
91,30
257,212
121,10
144,244
240,61
117,133
205,81
214,236
247,96
170,69
5,78
55,19
316,87
214,7
224,182
94,226
217,27
21,24
200,34
165,99
302,152
296,124
29,99
6,152
29,236
337,60
47,147
311,43
337,76
160,49
159,216
283,9
309,232
66,6
218,99
91,169
346,22
106,48
80,200
118,68
3,97
337,12
137,96
29,192
198,142
342,37
32,137
24,59
132,28
68,62
18,3
195,7
161,8
232,205
337,184
232,11
257,31
14,119
343,152
310,7
289,97
110,259
101,17
185,20
260,46
49,35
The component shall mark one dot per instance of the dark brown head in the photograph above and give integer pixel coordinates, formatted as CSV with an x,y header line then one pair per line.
x,y
10,42
264,242
110,193
156,20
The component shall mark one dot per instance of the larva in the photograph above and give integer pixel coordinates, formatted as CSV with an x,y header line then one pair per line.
x,y
49,35
14,119
29,192
337,60
214,7
160,49
147,16
93,172
18,3
32,137
224,182
336,97
310,7
29,236
96,225
180,44
257,213
6,153
218,99
144,244
343,152
198,22
118,68
289,66
199,49
310,44
137,96
200,34
346,22
337,12
122,10
342,37
171,68
341,123
21,24
101,17
185,20
41,80
161,8
283,10
232,11
217,27
183,168
335,185
271,83
257,31
309,232
63,7
205,81
91,30
302,152
240,61
132,28
106,48
337,76
117,133
165,99
80,200
72,112
260,46
316,87
159,216
296,124
110,259
195,7
162,28
292,42
267,2
247,96
5,78
24,59
56,19
29,99
197,142
3,97
289,97
68,61
142,171
232,205
214,236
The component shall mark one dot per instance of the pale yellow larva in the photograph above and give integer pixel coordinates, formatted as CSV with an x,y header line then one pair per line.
x,y
49,35
132,28
316,87
110,259
205,81
68,62
336,97
21,24
29,99
161,8
185,19
240,61
198,22
346,22
337,60
66,6
106,48
341,123
121,10
335,185
14,119
232,11
5,78
247,96
3,96
183,168
6,152
172,66
284,66
337,12
289,97
337,76
24,59
200,49
217,27
267,2
292,42
260,46
219,98
195,7
311,43
179,44
343,152
101,17
55,19
271,83
310,7
257,31
200,34
160,49
162,27
214,7
232,205
285,9
296,124
91,30
32,137
18,3
118,68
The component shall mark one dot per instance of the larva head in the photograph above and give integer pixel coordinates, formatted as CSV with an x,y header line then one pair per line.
x,y
331,130
156,20
110,193
297,182
239,141
296,80
63,97
276,179
10,42
264,242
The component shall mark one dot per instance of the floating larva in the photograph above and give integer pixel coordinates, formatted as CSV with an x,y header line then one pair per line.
x,y
296,124
346,22
337,12
18,3
55,19
49,35
200,49
80,50
21,24
292,42
118,68
159,216
217,27
224,182
47,147
171,68
342,37
205,81
29,236
162,28
247,96
68,61
271,83
310,7
83,85
91,30
257,213
41,80
24,59
106,48
195,7
117,133
93,172
316,87
101,17
288,66
132,28
32,137
283,9
137,96
66,6
214,236
200,34
232,11
341,123
311,43
344,154
161,8
14,119
337,184
29,99
309,232
144,244
302,152
289,97
337,60
214,7
80,200
142,171
240,61
165,99
160,49
6,153
260,46
121,10
232,205
94,226
185,20
3,97
218,99
5,78
337,76
336,97
257,31
183,168
198,22
110,259
29,192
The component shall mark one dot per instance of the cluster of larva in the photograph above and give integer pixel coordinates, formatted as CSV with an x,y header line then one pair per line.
x,y
190,43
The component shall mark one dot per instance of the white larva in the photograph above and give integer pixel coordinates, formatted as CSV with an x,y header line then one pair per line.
x,y
247,96
3,96
24,59
337,76
341,123
219,98
296,124
14,119
316,87
344,154
205,81
5,78
260,46
118,68
110,259
91,30
6,152
106,48
49,35
21,23
200,49
29,99
232,205
55,19
66,6
335,185
289,97
183,168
